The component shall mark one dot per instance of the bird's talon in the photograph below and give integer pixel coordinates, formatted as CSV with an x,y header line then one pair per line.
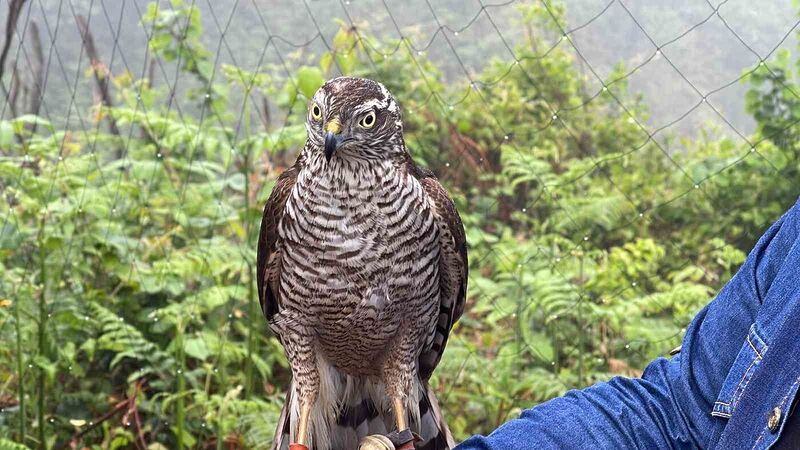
x,y
403,440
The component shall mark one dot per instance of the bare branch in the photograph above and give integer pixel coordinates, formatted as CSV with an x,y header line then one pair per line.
x,y
15,86
100,73
37,70
151,73
266,119
14,9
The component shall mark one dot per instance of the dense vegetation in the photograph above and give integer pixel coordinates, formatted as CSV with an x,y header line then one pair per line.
x,y
127,305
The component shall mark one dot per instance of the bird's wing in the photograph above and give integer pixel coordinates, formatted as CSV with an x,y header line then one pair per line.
x,y
452,267
268,260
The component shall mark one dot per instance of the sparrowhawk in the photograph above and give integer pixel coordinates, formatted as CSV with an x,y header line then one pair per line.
x,y
362,272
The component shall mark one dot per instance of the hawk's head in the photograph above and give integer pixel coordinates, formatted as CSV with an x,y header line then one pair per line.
x,y
356,118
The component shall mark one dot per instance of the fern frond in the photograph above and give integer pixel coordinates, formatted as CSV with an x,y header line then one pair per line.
x,y
128,342
6,444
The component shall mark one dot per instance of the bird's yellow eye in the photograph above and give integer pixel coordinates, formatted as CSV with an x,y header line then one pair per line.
x,y
316,113
368,120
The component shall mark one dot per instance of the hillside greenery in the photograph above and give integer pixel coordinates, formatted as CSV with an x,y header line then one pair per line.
x,y
127,304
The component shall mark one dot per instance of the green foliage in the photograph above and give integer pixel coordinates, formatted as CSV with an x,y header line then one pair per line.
x,y
5,444
130,278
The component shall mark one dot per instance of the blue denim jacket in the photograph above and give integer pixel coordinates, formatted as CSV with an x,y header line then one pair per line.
x,y
731,387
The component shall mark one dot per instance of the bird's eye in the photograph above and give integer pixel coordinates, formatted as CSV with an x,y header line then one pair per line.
x,y
316,113
368,120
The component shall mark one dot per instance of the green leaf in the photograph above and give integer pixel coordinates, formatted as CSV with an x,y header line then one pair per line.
x,y
326,61
196,348
540,345
309,79
188,439
346,62
6,444
121,440
32,120
6,134
48,366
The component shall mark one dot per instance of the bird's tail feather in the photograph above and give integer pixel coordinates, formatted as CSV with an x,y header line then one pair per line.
x,y
281,439
360,417
434,431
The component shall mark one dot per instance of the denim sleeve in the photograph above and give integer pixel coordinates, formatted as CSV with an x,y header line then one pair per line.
x,y
670,405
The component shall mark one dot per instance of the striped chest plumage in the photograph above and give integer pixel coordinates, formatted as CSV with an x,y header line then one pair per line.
x,y
359,258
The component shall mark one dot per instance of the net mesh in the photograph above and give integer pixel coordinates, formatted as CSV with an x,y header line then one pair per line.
x,y
613,163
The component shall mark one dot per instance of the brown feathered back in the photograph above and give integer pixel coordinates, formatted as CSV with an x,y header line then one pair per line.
x,y
454,271
266,261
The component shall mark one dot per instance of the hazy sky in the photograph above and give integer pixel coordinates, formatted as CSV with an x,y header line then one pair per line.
x,y
701,50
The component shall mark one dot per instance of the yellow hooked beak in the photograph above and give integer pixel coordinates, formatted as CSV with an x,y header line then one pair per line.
x,y
332,136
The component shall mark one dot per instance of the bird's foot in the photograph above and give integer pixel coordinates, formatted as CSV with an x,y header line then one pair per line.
x,y
403,440
396,440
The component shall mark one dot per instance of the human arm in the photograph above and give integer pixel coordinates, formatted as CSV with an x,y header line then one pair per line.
x,y
671,405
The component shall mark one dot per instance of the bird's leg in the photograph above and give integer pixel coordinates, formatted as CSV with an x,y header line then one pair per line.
x,y
307,389
298,343
400,439
302,438
302,423
398,379
399,373
399,413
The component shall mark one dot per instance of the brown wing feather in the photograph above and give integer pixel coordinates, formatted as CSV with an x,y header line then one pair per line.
x,y
267,267
452,267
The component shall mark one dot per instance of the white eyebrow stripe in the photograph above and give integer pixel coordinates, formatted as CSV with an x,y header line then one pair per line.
x,y
390,104
374,103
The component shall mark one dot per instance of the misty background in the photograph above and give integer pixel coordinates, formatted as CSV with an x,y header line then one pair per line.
x,y
711,45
